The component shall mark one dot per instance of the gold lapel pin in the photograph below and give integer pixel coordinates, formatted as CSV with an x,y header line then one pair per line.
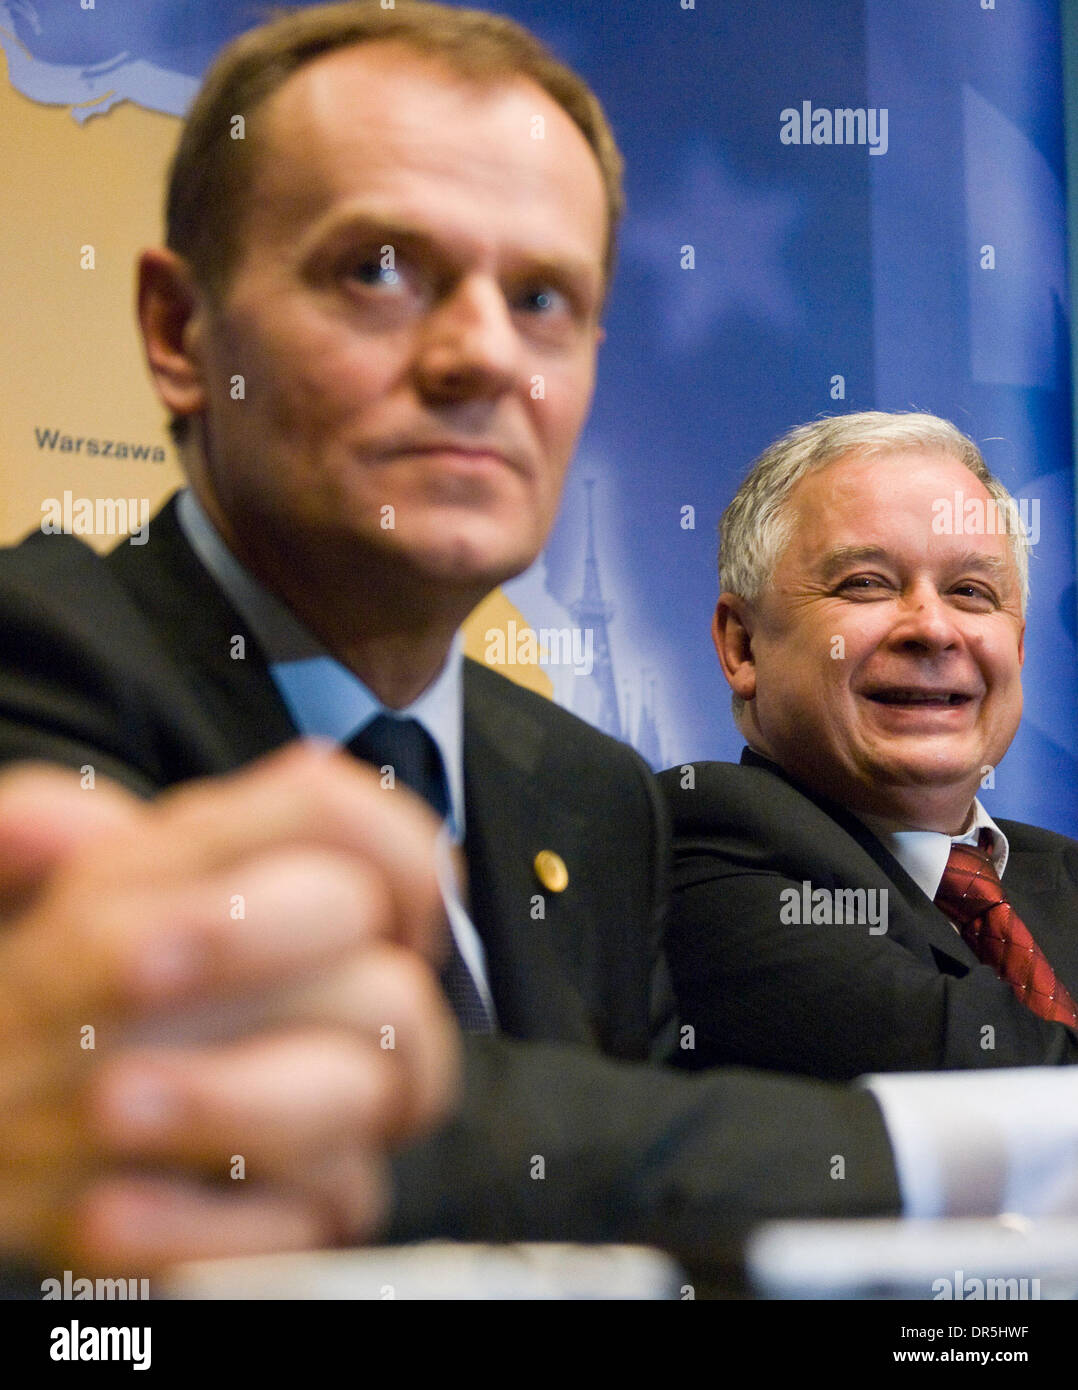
x,y
551,872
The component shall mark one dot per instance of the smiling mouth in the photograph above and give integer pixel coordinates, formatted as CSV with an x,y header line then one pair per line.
x,y
923,699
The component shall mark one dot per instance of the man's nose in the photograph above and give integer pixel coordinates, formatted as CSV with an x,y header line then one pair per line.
x,y
469,346
925,620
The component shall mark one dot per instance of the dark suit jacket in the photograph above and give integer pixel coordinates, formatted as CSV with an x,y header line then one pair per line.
x,y
125,663
836,1001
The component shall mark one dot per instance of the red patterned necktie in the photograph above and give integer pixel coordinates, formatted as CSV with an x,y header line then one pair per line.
x,y
973,897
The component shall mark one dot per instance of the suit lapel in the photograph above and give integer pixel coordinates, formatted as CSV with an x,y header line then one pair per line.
x,y
240,714
227,710
924,916
513,811
1045,899
920,923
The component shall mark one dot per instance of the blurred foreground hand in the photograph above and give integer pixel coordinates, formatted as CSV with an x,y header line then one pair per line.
x,y
217,1011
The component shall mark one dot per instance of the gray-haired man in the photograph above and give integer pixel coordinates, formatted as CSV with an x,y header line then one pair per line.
x,y
840,907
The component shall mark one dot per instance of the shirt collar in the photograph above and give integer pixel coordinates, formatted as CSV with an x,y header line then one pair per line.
x,y
924,853
322,696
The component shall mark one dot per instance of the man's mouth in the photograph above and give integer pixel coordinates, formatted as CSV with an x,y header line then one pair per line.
x,y
911,695
462,453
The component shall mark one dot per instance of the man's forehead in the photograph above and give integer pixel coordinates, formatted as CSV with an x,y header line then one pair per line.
x,y
862,469
371,113
877,488
965,553
358,77
861,507
361,97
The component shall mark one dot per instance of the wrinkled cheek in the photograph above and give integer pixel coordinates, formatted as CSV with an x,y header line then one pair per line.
x,y
1009,718
780,714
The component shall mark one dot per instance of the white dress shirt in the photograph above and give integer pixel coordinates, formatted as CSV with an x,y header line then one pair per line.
x,y
924,853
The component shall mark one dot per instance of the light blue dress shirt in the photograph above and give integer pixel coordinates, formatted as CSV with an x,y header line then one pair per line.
x,y
325,699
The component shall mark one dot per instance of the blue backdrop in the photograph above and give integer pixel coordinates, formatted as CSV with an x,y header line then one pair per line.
x,y
929,274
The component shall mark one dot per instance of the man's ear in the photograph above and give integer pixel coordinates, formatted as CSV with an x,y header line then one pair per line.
x,y
731,631
170,314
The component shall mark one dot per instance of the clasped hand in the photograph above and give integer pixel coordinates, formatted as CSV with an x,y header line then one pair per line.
x,y
217,1011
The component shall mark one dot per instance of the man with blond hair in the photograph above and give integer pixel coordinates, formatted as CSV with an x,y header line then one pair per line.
x,y
844,903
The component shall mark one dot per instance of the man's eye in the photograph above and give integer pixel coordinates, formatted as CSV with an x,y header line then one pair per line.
x,y
543,300
861,583
374,273
975,594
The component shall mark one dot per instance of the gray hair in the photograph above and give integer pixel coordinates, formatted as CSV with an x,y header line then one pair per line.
x,y
756,526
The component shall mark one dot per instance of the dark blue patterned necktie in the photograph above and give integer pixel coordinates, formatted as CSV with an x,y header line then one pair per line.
x,y
406,747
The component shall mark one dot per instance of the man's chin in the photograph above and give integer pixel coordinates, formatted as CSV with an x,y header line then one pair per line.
x,y
469,563
929,773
